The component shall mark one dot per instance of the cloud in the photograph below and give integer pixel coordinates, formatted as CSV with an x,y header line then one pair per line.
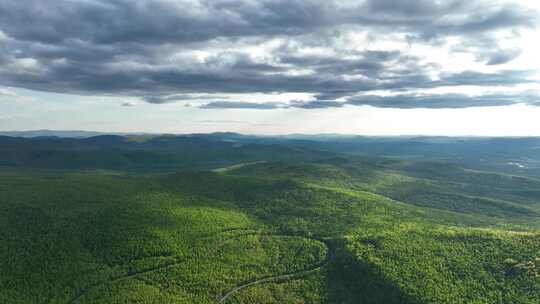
x,y
503,56
317,104
178,97
242,105
166,51
401,101
7,92
502,78
434,101
330,96
125,21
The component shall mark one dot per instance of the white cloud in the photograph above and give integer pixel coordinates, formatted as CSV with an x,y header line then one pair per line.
x,y
7,92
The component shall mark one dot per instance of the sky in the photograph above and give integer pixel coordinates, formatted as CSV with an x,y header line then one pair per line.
x,y
372,67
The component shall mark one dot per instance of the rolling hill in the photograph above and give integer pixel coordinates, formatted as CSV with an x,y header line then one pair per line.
x,y
208,219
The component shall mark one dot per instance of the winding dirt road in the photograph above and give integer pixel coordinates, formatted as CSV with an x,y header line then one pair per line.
x,y
131,275
128,276
282,277
268,279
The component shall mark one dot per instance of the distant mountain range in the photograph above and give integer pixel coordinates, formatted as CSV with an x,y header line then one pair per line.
x,y
53,133
82,149
317,137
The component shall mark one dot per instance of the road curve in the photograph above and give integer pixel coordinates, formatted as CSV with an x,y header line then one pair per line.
x,y
121,278
286,276
282,277
131,275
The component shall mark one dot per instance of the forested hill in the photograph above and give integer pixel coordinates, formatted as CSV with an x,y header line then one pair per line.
x,y
519,156
143,152
227,218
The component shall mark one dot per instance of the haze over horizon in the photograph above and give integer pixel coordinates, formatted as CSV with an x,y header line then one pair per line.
x,y
373,67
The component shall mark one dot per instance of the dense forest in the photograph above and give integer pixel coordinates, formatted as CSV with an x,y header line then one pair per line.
x,y
225,218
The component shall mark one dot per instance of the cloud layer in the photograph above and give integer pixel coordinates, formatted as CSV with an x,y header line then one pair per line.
x,y
340,52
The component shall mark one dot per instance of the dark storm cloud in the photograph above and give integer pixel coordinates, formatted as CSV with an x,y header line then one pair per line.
x,y
120,21
142,48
